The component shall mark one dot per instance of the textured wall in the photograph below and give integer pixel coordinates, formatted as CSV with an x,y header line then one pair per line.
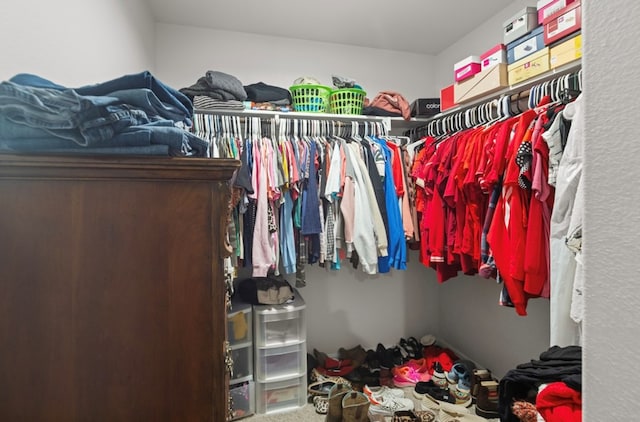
x,y
612,210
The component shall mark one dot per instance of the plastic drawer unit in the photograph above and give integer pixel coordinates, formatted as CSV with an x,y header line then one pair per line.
x,y
277,363
280,356
273,397
243,399
280,325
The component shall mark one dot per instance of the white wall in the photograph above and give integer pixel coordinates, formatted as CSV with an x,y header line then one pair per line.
x,y
185,53
472,322
475,43
612,215
347,307
76,42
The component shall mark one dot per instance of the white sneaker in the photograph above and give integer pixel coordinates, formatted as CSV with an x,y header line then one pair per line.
x,y
389,405
378,394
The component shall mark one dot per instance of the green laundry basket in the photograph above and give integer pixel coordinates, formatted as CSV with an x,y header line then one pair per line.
x,y
310,98
347,101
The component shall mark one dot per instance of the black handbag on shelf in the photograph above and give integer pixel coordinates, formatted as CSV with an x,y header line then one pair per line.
x,y
265,291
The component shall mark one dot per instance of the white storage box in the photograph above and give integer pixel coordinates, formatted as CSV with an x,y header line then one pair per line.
x,y
519,24
280,325
243,399
242,363
494,56
281,362
273,397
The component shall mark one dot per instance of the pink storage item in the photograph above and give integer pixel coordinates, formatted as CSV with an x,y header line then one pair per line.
x,y
466,68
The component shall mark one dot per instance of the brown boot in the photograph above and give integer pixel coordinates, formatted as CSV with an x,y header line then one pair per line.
x,y
337,392
355,407
487,400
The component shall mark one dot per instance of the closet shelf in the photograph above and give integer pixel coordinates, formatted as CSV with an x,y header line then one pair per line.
x,y
390,123
512,89
398,124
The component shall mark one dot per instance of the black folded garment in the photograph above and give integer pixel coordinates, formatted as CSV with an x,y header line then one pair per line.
x,y
377,111
261,93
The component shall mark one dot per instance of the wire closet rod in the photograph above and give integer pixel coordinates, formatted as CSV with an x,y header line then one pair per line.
x,y
562,82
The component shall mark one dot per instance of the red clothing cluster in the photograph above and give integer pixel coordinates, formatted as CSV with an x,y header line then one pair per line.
x,y
454,179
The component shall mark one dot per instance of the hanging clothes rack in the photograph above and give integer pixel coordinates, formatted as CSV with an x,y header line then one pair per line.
x,y
561,85
212,125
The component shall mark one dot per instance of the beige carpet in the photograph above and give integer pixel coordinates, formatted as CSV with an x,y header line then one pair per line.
x,y
308,413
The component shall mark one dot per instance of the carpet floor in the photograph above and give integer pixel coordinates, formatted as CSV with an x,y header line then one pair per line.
x,y
307,413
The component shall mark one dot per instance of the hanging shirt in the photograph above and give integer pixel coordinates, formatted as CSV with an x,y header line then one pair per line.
x,y
564,330
397,244
507,233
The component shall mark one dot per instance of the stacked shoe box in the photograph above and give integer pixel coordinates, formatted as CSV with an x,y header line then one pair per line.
x,y
280,352
240,337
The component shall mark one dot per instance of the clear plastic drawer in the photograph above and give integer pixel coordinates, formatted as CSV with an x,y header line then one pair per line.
x,y
242,363
280,329
273,397
281,362
243,399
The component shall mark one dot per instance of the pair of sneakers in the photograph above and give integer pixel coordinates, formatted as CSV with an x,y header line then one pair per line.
x,y
457,381
385,401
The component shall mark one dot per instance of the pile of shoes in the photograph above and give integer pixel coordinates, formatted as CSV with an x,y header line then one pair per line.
x,y
461,386
411,381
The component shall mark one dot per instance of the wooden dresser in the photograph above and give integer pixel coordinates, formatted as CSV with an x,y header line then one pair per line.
x,y
112,295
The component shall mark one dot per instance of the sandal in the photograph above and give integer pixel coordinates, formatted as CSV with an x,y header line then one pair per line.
x,y
411,348
417,347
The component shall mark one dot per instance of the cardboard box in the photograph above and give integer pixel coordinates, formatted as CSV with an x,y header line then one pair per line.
x,y
547,8
486,82
494,56
525,46
519,24
565,52
563,23
446,98
425,107
529,67
466,68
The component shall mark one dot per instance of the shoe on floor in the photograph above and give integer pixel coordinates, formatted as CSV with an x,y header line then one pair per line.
x,y
462,393
404,416
377,394
423,387
449,412
355,407
388,406
439,376
487,399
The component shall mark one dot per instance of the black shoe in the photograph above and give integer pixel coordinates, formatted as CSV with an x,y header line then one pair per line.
x,y
424,387
385,356
372,361
442,394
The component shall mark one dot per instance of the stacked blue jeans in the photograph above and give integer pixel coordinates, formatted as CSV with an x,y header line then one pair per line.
x,y
135,111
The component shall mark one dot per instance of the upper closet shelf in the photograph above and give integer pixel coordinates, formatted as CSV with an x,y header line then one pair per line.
x,y
512,89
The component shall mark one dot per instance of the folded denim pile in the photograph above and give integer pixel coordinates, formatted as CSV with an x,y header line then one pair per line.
x,y
131,115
